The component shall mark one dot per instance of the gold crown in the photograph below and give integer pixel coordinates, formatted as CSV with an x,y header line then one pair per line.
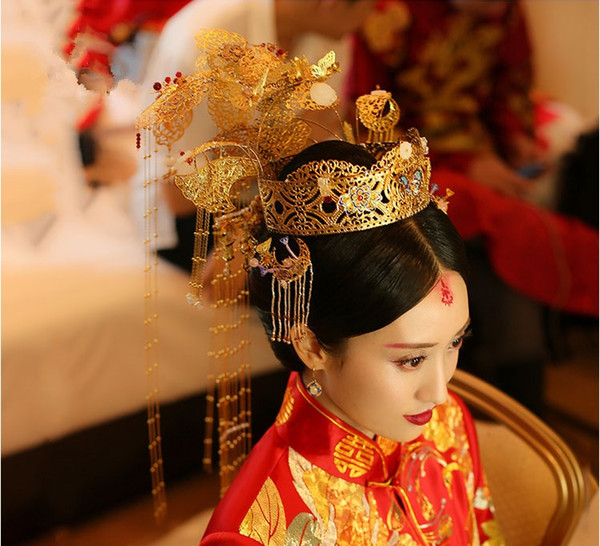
x,y
324,197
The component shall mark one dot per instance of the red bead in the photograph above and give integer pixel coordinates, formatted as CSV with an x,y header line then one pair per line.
x,y
157,86
327,199
178,74
167,79
280,52
181,153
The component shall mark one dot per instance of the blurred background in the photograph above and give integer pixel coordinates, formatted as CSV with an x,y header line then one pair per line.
x,y
76,74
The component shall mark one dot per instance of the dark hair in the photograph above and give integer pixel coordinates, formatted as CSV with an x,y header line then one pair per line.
x,y
364,280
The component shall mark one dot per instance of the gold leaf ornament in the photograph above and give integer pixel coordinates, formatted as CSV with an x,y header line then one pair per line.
x,y
265,521
214,186
325,67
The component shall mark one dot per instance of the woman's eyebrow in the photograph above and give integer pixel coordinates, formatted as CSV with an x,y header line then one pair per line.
x,y
409,345
422,345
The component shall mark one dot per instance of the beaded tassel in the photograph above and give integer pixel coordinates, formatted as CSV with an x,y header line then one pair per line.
x,y
151,327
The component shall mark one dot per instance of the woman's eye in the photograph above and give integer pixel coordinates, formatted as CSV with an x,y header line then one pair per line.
x,y
410,363
457,343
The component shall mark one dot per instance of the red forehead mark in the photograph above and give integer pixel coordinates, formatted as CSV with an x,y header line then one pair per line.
x,y
447,296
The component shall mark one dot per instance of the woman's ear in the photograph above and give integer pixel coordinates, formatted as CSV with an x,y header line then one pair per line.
x,y
308,348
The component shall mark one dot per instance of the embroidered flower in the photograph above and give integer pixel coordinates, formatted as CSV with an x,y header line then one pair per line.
x,y
359,199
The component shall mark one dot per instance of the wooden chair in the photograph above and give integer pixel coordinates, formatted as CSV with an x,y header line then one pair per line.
x,y
536,482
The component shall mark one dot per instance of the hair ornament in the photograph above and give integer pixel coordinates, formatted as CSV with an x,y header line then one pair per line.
x,y
291,286
257,96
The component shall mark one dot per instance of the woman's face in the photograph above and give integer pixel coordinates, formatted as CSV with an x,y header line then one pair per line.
x,y
388,381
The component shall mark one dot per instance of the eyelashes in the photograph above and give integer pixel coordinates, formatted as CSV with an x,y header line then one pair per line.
x,y
410,363
457,343
414,362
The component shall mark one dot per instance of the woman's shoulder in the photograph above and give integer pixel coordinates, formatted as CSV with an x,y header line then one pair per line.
x,y
258,470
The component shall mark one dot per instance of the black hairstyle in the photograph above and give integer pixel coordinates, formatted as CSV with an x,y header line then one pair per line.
x,y
363,280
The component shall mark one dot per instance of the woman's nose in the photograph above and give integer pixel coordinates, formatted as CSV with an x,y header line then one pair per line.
x,y
434,389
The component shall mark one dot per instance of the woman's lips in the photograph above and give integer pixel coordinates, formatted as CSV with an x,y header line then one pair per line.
x,y
419,419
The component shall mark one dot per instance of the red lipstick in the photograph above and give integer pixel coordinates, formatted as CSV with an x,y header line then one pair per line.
x,y
419,419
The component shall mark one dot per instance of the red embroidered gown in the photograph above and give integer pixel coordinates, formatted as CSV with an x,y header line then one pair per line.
x,y
313,479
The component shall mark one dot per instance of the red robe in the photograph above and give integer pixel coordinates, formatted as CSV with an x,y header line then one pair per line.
x,y
464,81
313,479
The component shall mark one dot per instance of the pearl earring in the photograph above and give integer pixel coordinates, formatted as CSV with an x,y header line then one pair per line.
x,y
314,388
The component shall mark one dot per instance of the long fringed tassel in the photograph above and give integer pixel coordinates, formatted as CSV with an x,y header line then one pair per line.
x,y
199,258
151,327
290,306
230,387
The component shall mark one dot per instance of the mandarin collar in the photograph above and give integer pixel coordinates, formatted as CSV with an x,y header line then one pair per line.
x,y
332,444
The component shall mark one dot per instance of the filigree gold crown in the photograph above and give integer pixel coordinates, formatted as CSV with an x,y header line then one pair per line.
x,y
325,197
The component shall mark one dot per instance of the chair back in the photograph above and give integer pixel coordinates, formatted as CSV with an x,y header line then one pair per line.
x,y
536,482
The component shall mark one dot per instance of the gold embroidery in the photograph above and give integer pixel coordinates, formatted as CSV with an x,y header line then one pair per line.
x,y
387,446
436,526
395,519
286,408
445,429
353,456
381,28
303,531
344,514
493,532
265,521
406,540
466,51
339,424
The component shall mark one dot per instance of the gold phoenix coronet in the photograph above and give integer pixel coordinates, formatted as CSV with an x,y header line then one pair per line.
x,y
256,97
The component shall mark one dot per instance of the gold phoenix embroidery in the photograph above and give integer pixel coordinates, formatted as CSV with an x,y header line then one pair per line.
x,y
346,514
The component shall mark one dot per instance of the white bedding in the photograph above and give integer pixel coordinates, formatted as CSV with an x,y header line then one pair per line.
x,y
73,334
72,259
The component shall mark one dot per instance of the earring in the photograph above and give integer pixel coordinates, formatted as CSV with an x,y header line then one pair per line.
x,y
314,388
